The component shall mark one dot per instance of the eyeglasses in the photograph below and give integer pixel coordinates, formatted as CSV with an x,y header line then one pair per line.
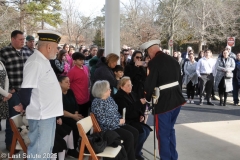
x,y
138,57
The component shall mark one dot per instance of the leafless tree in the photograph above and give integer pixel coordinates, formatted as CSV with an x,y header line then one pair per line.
x,y
138,22
75,25
9,22
212,21
171,18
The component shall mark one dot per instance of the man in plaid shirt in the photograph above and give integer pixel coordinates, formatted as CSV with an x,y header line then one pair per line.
x,y
13,57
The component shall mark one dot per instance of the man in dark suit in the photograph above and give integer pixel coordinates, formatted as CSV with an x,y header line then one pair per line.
x,y
164,72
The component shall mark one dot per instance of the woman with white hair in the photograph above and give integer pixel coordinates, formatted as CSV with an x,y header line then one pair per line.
x,y
106,112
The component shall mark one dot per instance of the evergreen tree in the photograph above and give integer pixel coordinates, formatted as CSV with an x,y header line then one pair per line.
x,y
45,11
98,38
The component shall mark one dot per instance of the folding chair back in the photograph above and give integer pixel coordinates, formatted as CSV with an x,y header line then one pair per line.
x,y
85,125
96,127
16,122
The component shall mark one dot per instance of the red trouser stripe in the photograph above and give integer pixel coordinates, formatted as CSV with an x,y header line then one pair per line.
x,y
156,127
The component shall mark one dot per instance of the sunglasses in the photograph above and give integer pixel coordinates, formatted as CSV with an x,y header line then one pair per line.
x,y
138,57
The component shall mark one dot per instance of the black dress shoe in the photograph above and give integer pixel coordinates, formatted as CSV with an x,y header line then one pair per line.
x,y
224,104
73,153
210,103
220,104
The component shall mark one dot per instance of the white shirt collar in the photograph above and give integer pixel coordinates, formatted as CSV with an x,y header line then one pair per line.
x,y
40,54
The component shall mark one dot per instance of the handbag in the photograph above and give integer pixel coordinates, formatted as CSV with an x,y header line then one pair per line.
x,y
228,75
97,142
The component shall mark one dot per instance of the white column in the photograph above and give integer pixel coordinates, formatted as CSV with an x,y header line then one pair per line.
x,y
112,27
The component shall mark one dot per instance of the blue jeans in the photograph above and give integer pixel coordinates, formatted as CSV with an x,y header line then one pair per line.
x,y
236,88
141,139
41,134
166,134
8,132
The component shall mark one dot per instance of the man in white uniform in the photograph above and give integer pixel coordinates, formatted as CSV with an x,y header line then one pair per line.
x,y
41,96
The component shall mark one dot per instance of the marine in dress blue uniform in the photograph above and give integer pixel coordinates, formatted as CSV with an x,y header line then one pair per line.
x,y
164,72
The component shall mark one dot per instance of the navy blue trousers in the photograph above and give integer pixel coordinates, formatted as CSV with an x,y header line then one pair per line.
x,y
236,88
8,132
141,140
166,134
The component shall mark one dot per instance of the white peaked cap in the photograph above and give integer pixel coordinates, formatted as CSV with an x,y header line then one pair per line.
x,y
148,44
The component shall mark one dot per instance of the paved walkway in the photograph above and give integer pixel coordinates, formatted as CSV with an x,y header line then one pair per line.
x,y
204,141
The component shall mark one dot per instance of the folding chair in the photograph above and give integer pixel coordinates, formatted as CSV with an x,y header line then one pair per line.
x,y
16,122
85,125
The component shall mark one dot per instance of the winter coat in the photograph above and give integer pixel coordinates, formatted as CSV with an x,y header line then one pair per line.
x,y
92,63
137,76
190,73
103,72
134,108
221,67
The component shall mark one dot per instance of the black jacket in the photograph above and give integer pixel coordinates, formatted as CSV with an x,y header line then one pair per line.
x,y
58,66
163,69
134,108
137,76
103,72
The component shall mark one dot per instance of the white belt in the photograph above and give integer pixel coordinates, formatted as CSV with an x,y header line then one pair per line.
x,y
169,85
157,90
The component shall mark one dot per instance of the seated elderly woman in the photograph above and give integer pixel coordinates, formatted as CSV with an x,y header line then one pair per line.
x,y
135,108
106,112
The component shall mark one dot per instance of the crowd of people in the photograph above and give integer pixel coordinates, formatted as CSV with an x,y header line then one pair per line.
x,y
86,77
204,75
58,86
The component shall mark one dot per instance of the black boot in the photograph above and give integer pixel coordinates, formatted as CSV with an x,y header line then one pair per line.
x,y
225,98
221,102
201,100
209,102
221,98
